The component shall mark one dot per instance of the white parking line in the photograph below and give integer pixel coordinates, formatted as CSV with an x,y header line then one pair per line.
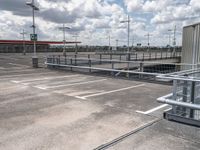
x,y
65,85
2,68
46,78
108,92
18,65
7,70
19,75
152,110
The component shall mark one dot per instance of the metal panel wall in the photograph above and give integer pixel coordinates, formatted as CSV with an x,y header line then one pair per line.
x,y
191,44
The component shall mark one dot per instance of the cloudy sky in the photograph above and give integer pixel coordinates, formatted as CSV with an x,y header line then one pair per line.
x,y
95,20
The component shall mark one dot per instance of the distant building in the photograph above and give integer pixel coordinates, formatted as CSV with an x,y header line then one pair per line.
x,y
191,44
16,46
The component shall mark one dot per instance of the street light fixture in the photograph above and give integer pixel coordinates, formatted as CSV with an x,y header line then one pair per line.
x,y
34,8
64,28
23,36
128,30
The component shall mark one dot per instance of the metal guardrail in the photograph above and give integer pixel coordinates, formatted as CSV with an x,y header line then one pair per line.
x,y
115,67
185,97
141,56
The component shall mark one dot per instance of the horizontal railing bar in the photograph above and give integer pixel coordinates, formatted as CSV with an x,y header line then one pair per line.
x,y
103,69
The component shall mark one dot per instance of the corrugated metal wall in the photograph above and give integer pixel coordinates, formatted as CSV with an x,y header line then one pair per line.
x,y
191,44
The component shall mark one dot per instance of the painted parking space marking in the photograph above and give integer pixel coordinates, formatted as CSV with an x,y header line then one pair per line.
x,y
152,110
16,70
45,78
66,85
14,64
108,92
2,68
20,75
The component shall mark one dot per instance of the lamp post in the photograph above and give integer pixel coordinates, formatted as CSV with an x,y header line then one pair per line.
x,y
174,42
76,46
128,35
23,37
148,39
169,30
64,28
34,8
117,43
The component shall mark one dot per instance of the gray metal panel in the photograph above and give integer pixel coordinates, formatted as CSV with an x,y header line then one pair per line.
x,y
187,43
191,46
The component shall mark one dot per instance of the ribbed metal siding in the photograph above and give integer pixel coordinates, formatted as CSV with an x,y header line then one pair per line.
x,y
191,44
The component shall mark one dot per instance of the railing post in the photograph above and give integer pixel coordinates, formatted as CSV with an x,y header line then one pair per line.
x,y
75,60
53,59
128,67
100,58
143,57
112,72
156,55
90,64
150,56
192,98
58,59
166,54
120,57
136,56
71,61
65,60
141,69
161,54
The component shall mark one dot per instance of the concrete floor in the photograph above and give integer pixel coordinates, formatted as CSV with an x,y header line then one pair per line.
x,y
46,109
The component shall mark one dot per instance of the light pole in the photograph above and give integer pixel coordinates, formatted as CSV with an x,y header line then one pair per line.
x,y
117,43
64,28
174,42
128,30
169,30
148,38
23,36
34,8
76,46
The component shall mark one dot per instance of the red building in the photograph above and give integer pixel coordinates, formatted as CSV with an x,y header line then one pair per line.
x,y
17,46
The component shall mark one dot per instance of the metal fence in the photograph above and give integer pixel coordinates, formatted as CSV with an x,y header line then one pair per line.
x,y
139,56
116,67
185,97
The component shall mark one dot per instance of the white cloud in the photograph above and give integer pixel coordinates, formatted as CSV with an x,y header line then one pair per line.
x,y
133,5
95,18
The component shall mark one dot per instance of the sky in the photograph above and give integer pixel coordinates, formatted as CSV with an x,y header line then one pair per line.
x,y
94,20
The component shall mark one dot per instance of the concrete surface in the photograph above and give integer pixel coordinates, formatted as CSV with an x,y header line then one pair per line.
x,y
43,109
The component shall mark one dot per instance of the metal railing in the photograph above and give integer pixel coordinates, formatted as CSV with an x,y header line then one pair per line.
x,y
139,56
115,67
185,97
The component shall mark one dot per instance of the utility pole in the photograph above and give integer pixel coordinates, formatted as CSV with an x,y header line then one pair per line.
x,y
34,8
117,43
128,30
64,28
23,37
169,30
109,41
76,46
174,42
148,38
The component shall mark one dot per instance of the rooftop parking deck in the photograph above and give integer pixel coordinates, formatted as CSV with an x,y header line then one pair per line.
x,y
48,109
